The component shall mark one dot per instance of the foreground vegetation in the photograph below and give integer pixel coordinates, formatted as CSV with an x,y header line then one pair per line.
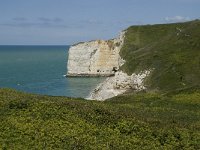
x,y
134,121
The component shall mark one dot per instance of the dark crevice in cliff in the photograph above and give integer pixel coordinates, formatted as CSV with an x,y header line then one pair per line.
x,y
91,55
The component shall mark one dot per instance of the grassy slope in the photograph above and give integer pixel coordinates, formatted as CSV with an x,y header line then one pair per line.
x,y
174,55
139,121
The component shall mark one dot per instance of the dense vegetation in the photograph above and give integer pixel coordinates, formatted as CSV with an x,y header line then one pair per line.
x,y
168,119
171,50
134,121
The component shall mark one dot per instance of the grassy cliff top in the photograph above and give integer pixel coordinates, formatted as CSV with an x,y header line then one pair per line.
x,y
135,121
172,50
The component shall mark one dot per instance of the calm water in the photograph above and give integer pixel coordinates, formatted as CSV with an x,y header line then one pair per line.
x,y
40,69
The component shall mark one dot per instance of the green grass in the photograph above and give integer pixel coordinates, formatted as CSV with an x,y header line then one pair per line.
x,y
174,55
133,121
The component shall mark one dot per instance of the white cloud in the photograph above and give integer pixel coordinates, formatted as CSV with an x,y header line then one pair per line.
x,y
177,19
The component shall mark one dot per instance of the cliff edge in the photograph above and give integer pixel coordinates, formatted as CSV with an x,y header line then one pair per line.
x,y
162,57
95,58
102,58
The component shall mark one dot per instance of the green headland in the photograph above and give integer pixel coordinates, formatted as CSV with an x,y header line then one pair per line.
x,y
172,50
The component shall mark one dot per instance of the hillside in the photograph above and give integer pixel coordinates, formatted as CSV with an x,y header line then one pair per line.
x,y
171,50
138,121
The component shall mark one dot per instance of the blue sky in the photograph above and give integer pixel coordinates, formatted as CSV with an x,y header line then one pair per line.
x,y
62,22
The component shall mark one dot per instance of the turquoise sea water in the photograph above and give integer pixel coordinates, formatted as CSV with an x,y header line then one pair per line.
x,y
40,69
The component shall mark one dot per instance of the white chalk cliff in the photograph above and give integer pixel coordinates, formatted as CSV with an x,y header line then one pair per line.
x,y
101,58
95,58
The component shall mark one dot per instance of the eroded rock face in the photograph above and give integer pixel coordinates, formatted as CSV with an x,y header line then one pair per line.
x,y
95,58
119,84
101,58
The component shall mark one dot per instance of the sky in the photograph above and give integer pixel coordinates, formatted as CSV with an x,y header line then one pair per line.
x,y
65,22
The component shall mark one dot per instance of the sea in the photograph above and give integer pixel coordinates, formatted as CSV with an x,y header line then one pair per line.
x,y
41,70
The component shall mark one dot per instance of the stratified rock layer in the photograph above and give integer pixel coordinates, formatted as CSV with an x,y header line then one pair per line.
x,y
95,58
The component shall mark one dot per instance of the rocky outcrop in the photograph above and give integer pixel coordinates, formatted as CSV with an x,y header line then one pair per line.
x,y
95,58
119,84
101,58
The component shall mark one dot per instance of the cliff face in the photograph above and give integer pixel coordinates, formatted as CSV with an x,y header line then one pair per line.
x,y
102,58
95,58
164,51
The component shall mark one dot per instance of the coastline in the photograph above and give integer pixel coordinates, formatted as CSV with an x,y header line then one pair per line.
x,y
88,75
